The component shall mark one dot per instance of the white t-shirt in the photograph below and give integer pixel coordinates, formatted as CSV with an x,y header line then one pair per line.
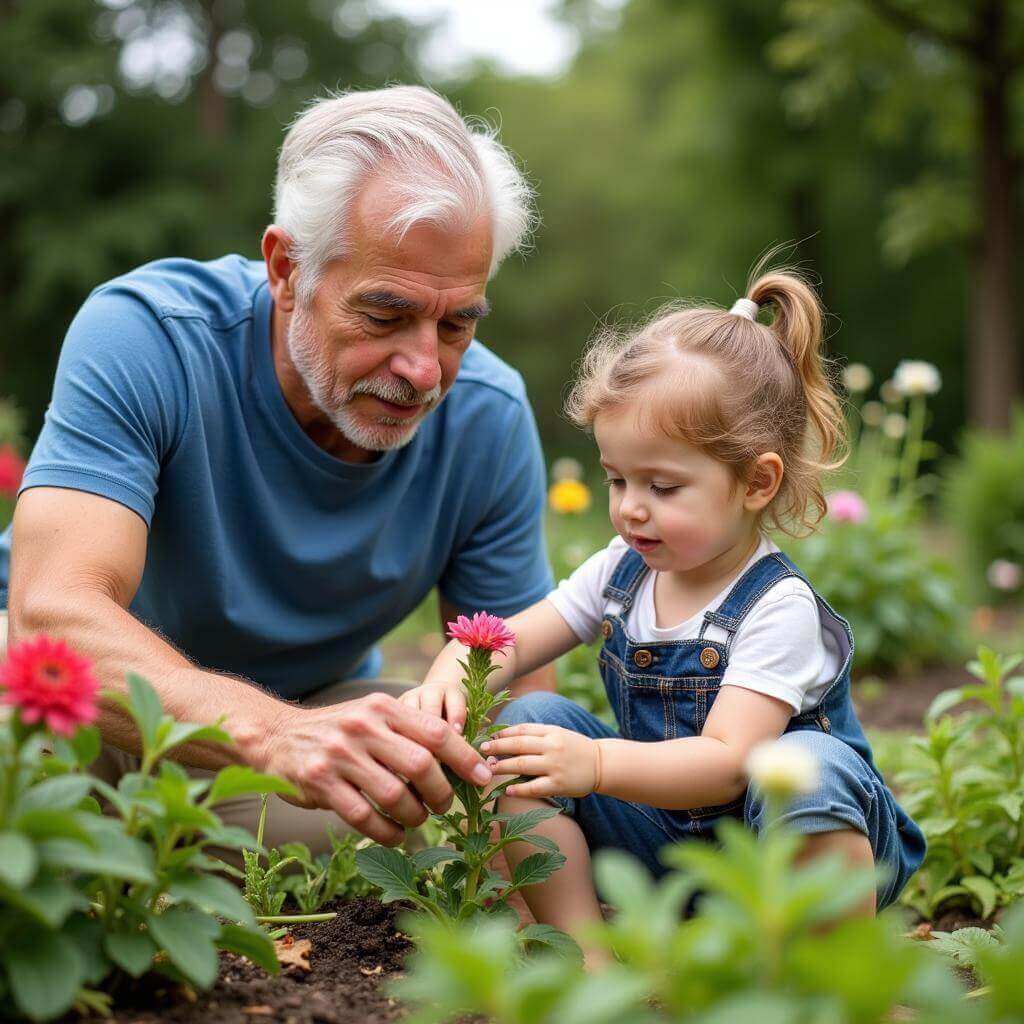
x,y
785,647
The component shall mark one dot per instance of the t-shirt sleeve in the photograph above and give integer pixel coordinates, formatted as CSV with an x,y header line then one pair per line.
x,y
779,649
118,408
502,566
580,598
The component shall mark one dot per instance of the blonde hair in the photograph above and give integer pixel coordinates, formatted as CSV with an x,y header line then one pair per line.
x,y
732,387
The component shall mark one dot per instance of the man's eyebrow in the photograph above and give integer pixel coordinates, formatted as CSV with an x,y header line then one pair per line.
x,y
474,311
388,300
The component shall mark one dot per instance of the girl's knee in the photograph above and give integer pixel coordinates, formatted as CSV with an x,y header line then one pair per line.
x,y
540,706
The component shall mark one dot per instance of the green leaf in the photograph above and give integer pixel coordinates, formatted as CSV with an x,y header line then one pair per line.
x,y
423,860
551,938
251,943
111,853
86,744
536,868
187,937
188,732
18,859
544,842
60,793
145,707
985,891
132,951
45,970
389,869
87,933
212,894
944,701
519,824
45,824
49,899
237,779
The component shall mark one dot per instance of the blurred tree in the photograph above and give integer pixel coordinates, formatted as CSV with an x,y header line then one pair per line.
x,y
946,73
131,130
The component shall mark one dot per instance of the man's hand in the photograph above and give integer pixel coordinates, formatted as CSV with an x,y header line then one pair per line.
x,y
564,762
354,758
445,700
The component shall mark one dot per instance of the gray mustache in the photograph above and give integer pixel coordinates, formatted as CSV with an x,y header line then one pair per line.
x,y
396,390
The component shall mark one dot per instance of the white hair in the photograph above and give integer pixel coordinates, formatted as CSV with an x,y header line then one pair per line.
x,y
444,169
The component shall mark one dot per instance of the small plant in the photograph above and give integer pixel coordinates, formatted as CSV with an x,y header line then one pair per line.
x,y
466,886
324,878
965,787
87,895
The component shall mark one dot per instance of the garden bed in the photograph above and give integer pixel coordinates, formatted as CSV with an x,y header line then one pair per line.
x,y
350,960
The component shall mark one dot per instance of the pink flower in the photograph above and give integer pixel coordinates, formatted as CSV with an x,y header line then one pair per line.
x,y
847,507
483,633
49,683
12,468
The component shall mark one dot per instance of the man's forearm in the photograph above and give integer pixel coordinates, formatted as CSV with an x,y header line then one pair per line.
x,y
117,643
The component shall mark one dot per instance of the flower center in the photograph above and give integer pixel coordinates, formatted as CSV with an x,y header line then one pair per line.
x,y
52,673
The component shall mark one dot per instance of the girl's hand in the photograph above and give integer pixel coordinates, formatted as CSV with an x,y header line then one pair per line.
x,y
446,700
564,762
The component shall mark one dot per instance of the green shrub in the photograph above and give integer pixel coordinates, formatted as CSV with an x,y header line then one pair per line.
x,y
984,501
899,598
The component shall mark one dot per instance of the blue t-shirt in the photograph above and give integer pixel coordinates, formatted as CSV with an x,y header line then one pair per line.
x,y
268,557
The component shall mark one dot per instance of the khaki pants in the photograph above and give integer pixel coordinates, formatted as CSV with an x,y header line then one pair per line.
x,y
285,822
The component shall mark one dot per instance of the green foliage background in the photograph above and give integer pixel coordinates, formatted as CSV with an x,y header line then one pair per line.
x,y
683,141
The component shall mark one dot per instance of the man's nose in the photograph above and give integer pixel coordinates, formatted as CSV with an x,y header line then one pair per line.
x,y
417,360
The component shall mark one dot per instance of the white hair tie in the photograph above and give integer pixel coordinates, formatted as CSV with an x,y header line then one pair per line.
x,y
745,307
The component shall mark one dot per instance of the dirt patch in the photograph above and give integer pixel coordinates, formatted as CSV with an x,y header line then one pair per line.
x,y
900,702
351,960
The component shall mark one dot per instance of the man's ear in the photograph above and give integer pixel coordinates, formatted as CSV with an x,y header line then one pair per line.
x,y
282,273
763,482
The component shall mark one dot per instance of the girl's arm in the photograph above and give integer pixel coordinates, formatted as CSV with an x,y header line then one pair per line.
x,y
697,771
541,636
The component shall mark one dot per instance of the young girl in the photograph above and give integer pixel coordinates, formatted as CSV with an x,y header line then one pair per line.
x,y
712,428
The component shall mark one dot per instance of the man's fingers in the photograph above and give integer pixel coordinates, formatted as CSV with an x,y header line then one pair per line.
x,y
438,736
418,765
388,792
530,765
352,807
432,701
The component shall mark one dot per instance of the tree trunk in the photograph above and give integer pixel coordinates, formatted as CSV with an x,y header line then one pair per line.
x,y
994,356
212,103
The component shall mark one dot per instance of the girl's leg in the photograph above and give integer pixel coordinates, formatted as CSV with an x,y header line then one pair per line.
x,y
566,899
854,846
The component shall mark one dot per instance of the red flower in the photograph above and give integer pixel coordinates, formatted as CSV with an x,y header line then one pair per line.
x,y
12,468
483,633
49,683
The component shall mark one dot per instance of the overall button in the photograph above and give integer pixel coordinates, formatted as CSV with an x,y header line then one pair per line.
x,y
606,629
709,657
825,723
643,659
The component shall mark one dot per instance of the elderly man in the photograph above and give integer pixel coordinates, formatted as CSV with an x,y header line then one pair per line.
x,y
251,471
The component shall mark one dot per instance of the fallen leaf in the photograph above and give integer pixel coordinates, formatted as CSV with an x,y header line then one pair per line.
x,y
922,931
369,971
294,953
257,1011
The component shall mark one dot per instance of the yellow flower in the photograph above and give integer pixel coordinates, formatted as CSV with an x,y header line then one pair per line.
x,y
569,496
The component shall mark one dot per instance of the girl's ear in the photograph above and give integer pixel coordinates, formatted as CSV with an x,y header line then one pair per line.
x,y
764,482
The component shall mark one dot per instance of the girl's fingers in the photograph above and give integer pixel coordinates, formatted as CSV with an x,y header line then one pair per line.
x,y
525,744
525,729
535,787
531,765
455,709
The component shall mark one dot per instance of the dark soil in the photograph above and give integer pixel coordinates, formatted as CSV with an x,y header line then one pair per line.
x,y
900,702
351,960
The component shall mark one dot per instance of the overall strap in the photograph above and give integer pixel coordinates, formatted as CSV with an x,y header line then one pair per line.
x,y
626,577
748,590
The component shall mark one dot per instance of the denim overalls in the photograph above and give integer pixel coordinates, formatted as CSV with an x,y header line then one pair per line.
x,y
664,691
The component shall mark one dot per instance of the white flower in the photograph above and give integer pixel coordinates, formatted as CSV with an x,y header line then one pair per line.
x,y
566,468
783,769
872,413
857,378
894,425
1004,575
575,555
916,377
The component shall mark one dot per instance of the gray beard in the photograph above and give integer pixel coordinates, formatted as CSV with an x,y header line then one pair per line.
x,y
376,435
